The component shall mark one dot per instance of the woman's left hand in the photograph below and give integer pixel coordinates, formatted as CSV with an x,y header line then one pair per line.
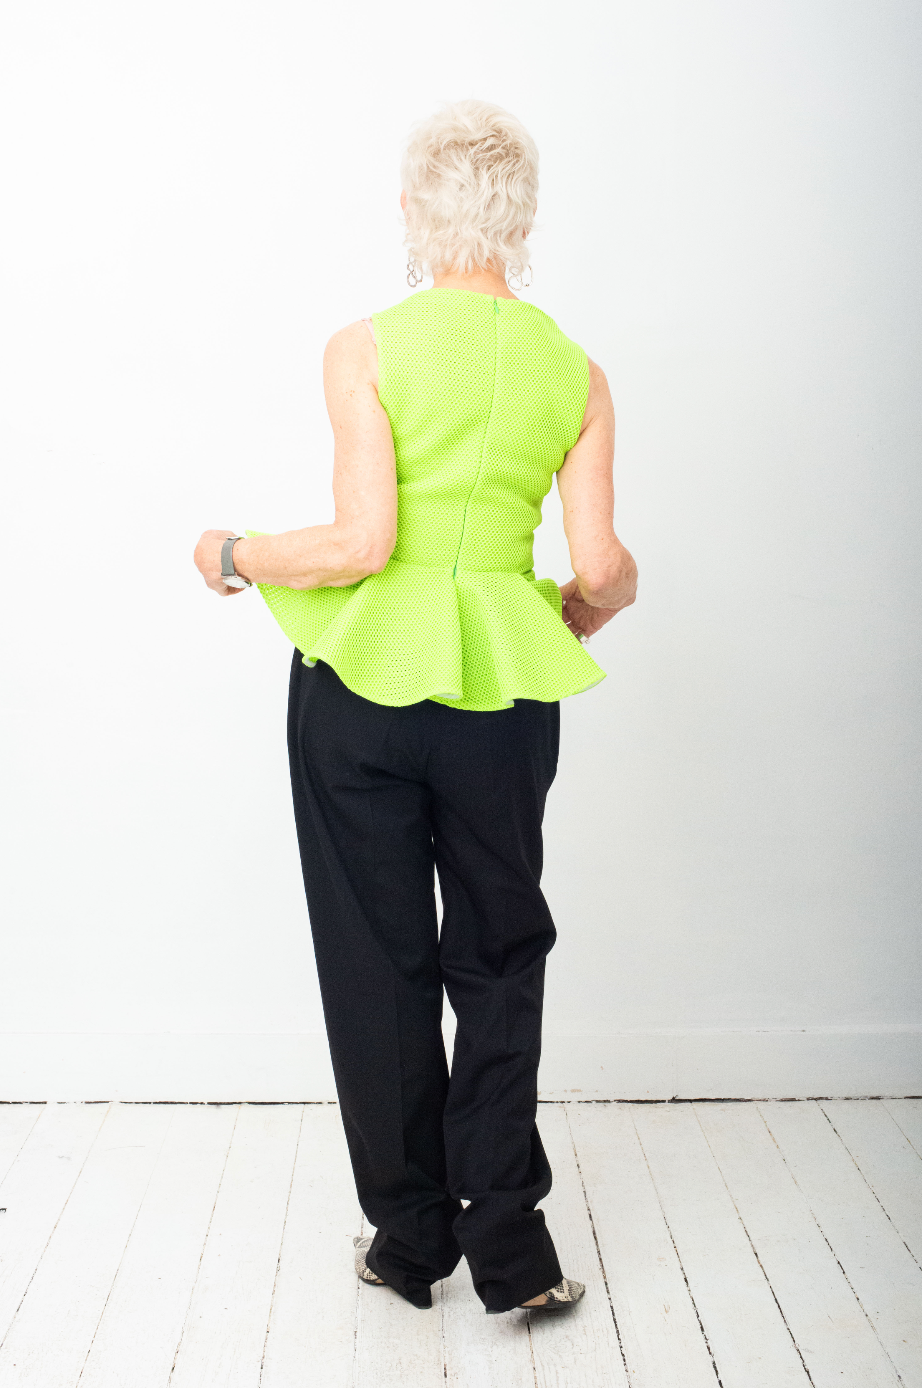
x,y
207,558
581,617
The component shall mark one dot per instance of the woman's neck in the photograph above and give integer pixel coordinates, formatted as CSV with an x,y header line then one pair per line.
x,y
491,281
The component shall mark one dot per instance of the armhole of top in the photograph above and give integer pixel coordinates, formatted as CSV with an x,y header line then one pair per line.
x,y
582,413
370,327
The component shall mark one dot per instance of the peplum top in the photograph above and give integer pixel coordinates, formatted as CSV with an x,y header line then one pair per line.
x,y
485,397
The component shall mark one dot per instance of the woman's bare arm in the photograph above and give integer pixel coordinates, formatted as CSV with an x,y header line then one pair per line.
x,y
606,575
361,539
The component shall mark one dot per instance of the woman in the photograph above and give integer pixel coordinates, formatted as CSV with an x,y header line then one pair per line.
x,y
424,713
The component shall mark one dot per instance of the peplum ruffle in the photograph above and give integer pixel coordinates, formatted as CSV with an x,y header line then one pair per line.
x,y
467,638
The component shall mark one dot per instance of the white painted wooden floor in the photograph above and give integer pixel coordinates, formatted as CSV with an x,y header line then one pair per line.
x,y
202,1246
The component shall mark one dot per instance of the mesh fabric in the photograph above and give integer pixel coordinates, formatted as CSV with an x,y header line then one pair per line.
x,y
485,397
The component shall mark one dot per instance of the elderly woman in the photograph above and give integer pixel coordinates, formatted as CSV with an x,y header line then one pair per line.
x,y
424,712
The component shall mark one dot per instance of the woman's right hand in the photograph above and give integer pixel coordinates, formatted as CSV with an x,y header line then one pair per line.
x,y
581,617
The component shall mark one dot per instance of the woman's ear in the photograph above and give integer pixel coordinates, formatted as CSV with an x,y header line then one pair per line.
x,y
403,200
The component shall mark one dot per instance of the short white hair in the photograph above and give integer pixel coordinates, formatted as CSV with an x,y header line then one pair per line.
x,y
470,174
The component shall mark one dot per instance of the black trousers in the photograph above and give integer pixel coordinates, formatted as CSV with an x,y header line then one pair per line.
x,y
382,797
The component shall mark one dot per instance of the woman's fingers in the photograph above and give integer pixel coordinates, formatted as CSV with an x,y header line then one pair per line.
x,y
579,616
584,620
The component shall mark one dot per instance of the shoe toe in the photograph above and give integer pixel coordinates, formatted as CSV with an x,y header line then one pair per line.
x,y
566,1293
362,1245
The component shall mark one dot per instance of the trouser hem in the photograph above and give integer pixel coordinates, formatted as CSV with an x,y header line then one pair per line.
x,y
413,1289
547,1276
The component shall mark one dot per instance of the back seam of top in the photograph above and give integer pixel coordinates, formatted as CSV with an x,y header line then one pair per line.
x,y
486,434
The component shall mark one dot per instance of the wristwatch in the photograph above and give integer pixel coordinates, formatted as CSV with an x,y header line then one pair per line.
x,y
228,573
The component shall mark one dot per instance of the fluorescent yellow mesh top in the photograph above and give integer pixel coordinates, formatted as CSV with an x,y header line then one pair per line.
x,y
485,396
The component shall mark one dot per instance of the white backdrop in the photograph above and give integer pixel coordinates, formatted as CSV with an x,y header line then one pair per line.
x,y
196,195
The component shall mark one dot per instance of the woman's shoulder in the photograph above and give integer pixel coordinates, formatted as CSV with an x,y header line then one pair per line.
x,y
413,306
351,353
549,326
438,303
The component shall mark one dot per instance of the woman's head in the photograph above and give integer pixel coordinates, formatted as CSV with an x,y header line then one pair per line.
x,y
470,179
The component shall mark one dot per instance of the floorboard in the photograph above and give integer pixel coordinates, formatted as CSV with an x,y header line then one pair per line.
x,y
662,1339
224,1332
907,1114
724,1245
832,1334
53,1330
35,1191
143,1319
587,1336
886,1279
396,1344
745,1330
312,1320
887,1161
482,1351
16,1122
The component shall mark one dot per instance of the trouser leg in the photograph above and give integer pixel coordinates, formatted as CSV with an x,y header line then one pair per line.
x,y
362,815
490,777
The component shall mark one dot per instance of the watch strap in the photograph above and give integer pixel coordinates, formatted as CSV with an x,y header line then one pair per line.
x,y
228,571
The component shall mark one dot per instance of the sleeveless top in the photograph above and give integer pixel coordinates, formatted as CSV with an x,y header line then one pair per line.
x,y
485,397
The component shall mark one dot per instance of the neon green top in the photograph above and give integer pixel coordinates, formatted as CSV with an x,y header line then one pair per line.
x,y
485,396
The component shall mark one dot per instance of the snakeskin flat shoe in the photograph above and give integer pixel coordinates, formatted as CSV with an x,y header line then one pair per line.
x,y
362,1245
566,1293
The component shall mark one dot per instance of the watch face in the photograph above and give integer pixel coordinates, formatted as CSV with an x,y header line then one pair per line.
x,y
234,581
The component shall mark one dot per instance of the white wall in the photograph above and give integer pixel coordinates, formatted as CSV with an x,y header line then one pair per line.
x,y
197,194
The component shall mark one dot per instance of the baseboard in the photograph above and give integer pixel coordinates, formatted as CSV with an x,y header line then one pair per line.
x,y
295,1066
179,1067
715,1064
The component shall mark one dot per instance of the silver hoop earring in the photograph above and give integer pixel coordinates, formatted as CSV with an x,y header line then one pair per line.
x,y
516,281
414,273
